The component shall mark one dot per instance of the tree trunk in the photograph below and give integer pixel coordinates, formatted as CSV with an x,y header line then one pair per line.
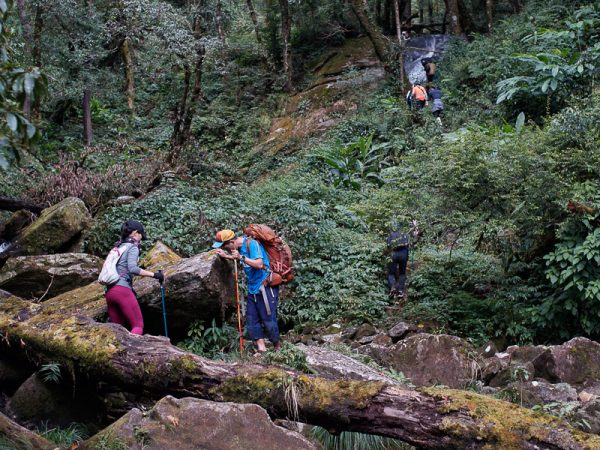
x,y
489,9
379,41
453,15
254,19
87,116
286,24
223,39
421,11
400,44
25,24
15,204
129,79
429,418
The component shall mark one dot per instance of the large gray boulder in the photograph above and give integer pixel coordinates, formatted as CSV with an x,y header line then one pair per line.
x,y
428,359
56,230
190,424
198,288
329,363
33,276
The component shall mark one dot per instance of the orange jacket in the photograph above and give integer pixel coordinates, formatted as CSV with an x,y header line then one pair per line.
x,y
419,93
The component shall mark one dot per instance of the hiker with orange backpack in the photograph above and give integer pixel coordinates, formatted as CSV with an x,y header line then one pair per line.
x,y
416,97
263,286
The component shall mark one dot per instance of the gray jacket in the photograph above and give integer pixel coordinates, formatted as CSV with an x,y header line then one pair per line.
x,y
127,266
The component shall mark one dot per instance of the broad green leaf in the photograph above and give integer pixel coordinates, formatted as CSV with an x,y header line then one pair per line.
x,y
12,122
520,121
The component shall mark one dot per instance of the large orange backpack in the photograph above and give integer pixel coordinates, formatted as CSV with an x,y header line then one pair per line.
x,y
280,254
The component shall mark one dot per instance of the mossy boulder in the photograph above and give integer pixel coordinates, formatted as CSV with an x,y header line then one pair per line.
x,y
191,423
56,230
33,276
159,257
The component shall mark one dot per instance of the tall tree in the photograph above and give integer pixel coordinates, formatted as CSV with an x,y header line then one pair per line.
x,y
489,9
453,15
286,24
400,43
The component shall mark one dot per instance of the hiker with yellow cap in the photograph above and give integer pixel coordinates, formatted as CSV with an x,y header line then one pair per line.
x,y
262,300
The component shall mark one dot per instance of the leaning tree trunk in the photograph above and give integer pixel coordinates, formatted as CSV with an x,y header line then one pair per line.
x,y
427,418
15,204
254,19
379,41
286,24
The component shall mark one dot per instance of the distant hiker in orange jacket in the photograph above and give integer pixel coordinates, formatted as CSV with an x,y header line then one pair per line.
x,y
416,97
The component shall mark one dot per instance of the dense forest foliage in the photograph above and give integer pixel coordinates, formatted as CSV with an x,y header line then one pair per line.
x,y
98,97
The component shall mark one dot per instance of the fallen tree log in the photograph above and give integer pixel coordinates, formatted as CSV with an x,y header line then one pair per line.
x,y
15,204
428,418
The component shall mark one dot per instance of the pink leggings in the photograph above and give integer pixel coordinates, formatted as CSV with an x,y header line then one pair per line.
x,y
123,308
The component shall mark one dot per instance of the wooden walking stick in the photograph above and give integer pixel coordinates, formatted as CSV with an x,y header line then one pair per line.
x,y
237,297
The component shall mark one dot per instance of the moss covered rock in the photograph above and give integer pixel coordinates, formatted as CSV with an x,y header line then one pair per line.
x,y
57,228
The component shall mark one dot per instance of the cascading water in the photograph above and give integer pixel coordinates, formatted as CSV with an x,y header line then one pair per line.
x,y
427,46
4,246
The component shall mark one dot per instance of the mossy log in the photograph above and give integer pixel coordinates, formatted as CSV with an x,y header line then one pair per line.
x,y
427,418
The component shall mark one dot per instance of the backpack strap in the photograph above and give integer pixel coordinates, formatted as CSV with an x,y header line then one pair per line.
x,y
248,251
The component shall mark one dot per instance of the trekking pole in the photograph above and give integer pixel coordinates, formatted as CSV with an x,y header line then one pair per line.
x,y
237,297
162,296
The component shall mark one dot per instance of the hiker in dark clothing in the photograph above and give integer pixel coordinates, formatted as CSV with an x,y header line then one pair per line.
x,y
437,106
398,244
123,307
262,300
